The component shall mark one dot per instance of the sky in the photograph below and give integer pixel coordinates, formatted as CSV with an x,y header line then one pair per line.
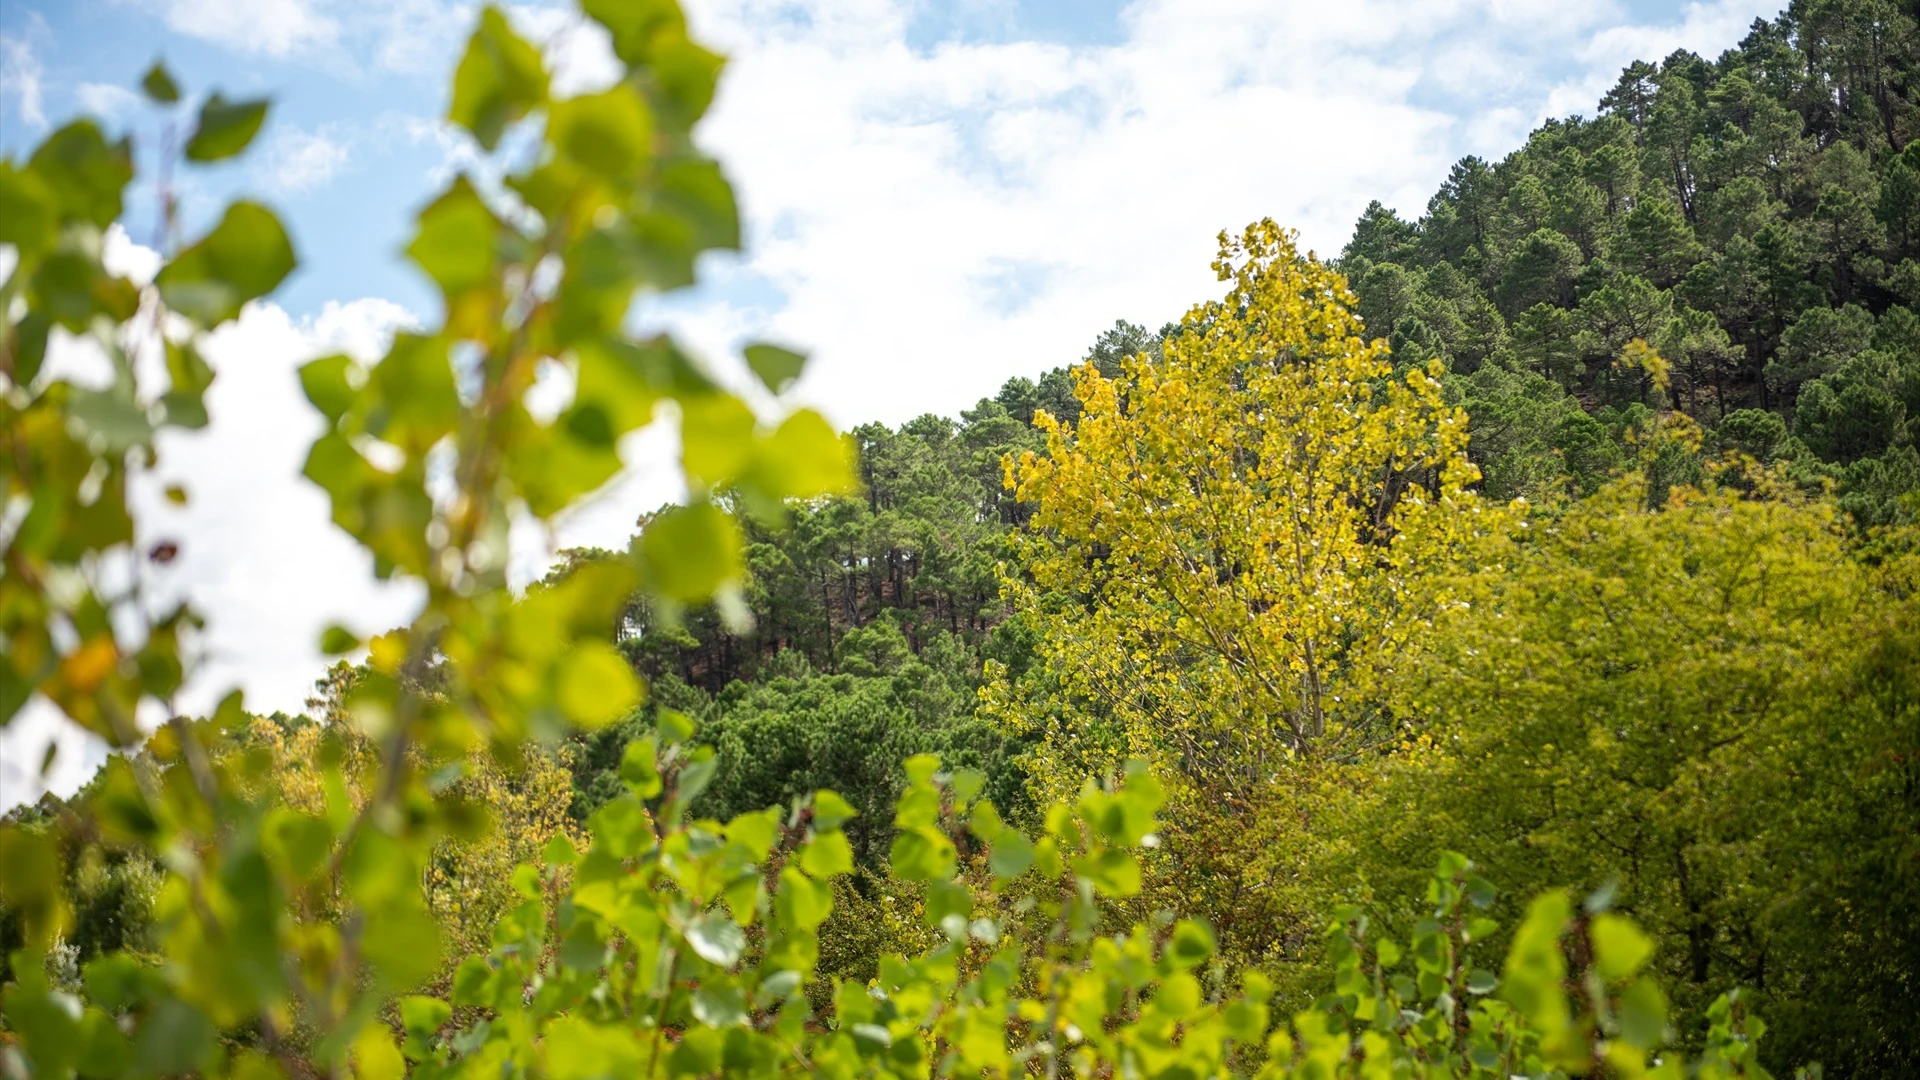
x,y
936,197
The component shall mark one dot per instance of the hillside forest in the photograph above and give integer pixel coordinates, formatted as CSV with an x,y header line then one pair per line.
x,y
1492,649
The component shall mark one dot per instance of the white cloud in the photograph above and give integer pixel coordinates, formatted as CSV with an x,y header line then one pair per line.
x,y
1705,28
578,51
932,221
273,27
297,161
258,550
20,74
387,35
105,100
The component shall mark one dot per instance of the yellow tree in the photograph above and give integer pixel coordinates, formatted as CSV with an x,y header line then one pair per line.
x,y
1227,546
503,814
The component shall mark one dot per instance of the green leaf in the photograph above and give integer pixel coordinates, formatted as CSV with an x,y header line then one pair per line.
x,y
1112,873
104,1049
716,438
922,854
375,1057
577,1049
695,775
633,24
1481,981
299,843
1619,948
113,981
422,1018
85,172
684,77
966,785
596,686
173,1039
828,853
30,883
29,212
500,79
776,367
457,240
1535,969
802,902
583,949
1642,1013
328,384
690,551
1011,854
1178,996
754,832
245,257
416,402
113,415
609,133
920,768
805,457
338,640
402,943
472,982
719,1006
225,128
674,726
159,85
623,379
716,938
639,770
830,811
1191,944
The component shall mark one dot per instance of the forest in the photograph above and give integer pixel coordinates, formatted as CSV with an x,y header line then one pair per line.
x,y
1490,650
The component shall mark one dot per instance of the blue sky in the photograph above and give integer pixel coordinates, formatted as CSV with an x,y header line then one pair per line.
x,y
937,197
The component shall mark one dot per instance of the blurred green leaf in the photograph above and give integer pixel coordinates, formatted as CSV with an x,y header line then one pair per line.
x,y
245,257
716,438
29,211
226,128
776,367
30,883
802,902
827,854
500,79
830,811
922,854
596,685
609,133
85,172
689,551
1192,943
457,239
416,403
159,85
1010,854
803,458
719,1006
1619,948
716,938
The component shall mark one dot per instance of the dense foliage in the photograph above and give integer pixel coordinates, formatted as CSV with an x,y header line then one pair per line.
x,y
1129,724
1753,218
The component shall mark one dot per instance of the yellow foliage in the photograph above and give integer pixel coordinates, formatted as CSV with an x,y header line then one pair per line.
x,y
1229,537
467,880
1228,550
